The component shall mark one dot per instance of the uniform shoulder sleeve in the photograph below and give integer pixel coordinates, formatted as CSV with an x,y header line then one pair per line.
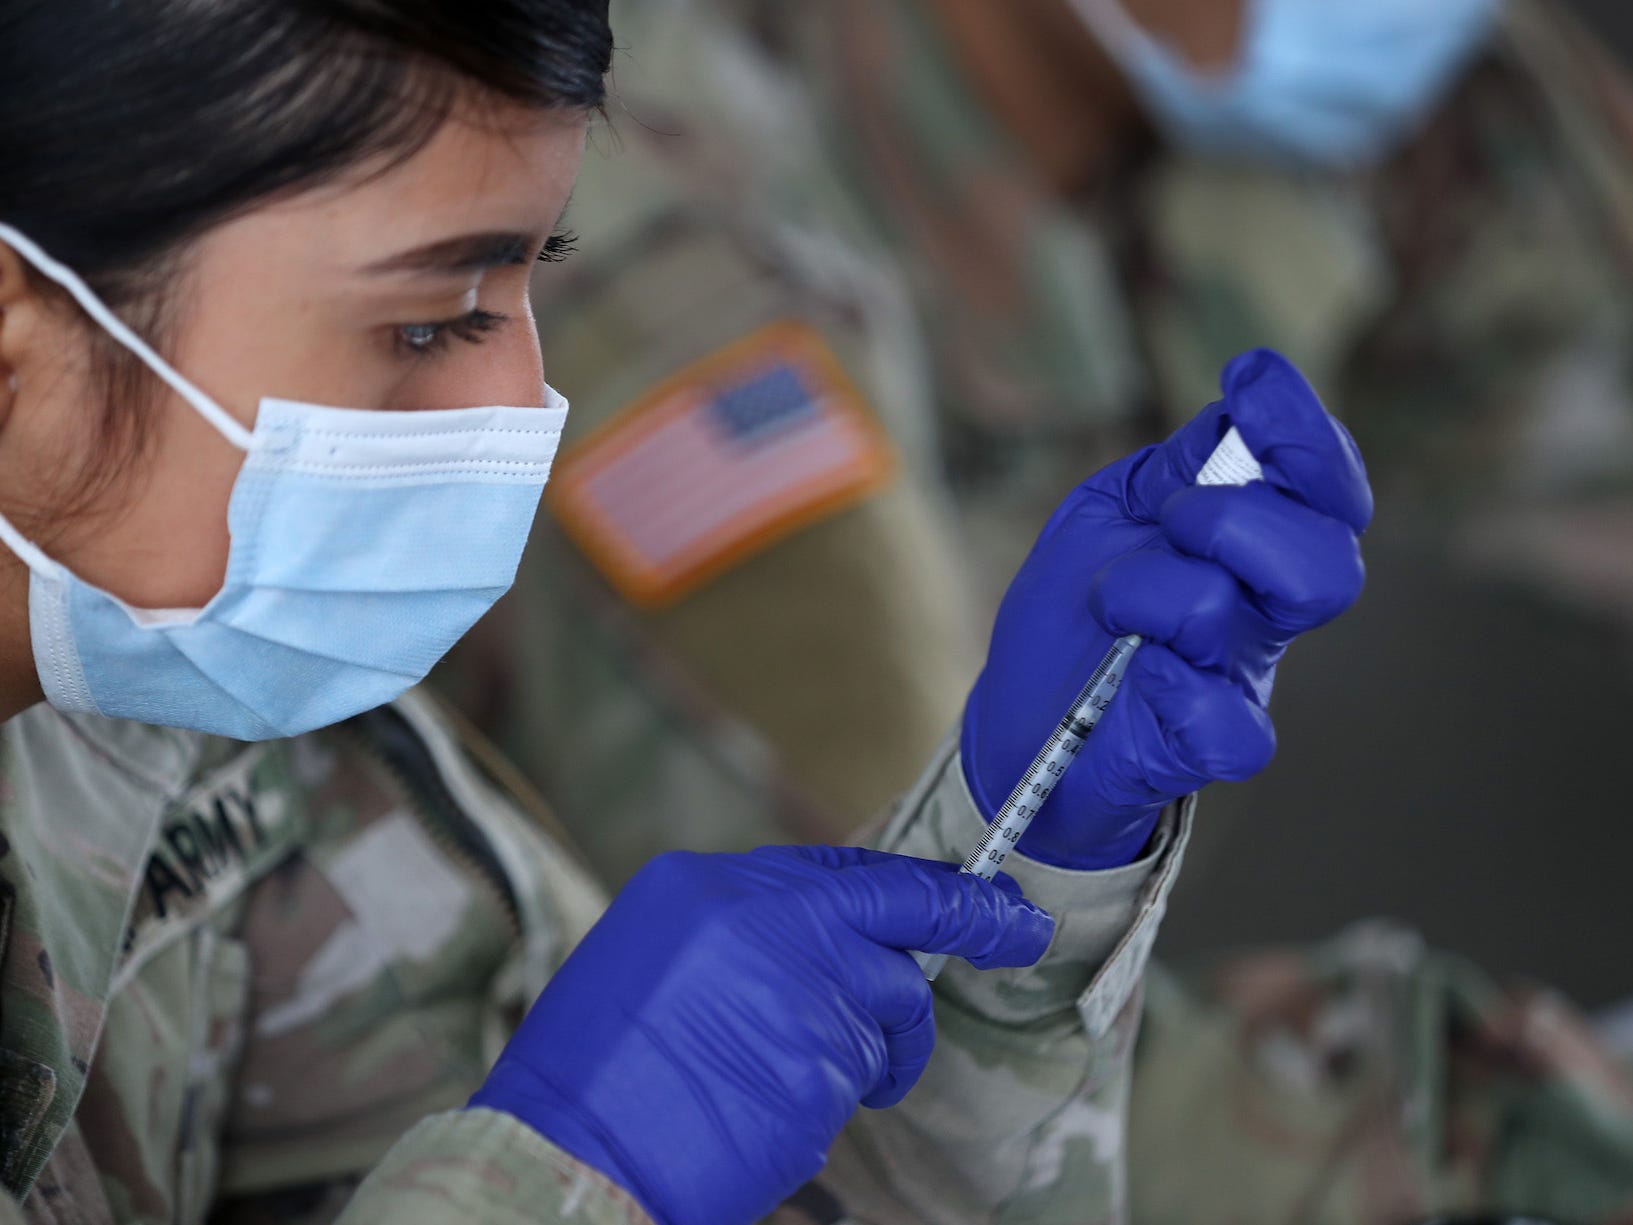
x,y
747,492
484,1166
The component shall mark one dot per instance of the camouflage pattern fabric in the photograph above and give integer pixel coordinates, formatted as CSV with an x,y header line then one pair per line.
x,y
234,975
1372,1081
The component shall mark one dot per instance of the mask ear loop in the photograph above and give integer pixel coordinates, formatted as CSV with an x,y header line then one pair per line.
x,y
228,425
1116,31
26,550
1129,43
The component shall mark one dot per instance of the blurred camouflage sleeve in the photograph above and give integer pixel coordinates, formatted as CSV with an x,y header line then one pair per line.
x,y
1021,1115
484,1166
1371,1080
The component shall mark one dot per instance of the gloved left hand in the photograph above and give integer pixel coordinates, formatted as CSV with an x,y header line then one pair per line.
x,y
707,1040
1218,580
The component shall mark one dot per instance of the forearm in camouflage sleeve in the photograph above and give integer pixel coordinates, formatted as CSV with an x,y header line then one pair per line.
x,y
485,1168
1021,1115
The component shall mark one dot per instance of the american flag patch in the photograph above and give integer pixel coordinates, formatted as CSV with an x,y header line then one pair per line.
x,y
731,455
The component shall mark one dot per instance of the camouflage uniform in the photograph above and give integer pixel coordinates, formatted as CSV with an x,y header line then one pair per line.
x,y
830,164
235,974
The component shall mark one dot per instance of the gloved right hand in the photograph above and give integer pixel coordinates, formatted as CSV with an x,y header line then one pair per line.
x,y
1219,581
706,1042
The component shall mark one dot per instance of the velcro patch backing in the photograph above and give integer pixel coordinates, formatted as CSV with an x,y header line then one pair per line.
x,y
732,454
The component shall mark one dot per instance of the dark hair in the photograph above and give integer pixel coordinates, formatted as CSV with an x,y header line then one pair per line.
x,y
129,127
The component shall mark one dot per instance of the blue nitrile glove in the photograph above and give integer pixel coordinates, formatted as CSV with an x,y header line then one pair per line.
x,y
706,1042
1218,579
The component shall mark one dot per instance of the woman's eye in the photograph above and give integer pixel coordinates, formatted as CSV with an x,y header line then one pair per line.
x,y
425,339
420,336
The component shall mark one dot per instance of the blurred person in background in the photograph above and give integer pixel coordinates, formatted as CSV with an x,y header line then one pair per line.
x,y
954,250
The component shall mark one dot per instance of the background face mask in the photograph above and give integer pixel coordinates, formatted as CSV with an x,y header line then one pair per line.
x,y
364,544
1328,83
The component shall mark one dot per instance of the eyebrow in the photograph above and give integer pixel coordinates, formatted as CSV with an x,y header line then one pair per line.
x,y
467,253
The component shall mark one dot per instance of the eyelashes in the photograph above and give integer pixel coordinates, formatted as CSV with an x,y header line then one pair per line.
x,y
558,247
423,340
429,339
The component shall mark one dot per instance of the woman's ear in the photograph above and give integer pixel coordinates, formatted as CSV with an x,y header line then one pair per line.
x,y
14,294
26,321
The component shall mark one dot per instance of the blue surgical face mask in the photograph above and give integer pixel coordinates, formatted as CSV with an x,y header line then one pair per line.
x,y
364,544
1334,84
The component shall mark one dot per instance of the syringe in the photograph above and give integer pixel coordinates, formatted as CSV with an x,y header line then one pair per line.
x,y
1230,464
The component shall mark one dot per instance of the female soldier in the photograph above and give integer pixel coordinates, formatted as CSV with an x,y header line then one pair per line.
x,y
261,912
